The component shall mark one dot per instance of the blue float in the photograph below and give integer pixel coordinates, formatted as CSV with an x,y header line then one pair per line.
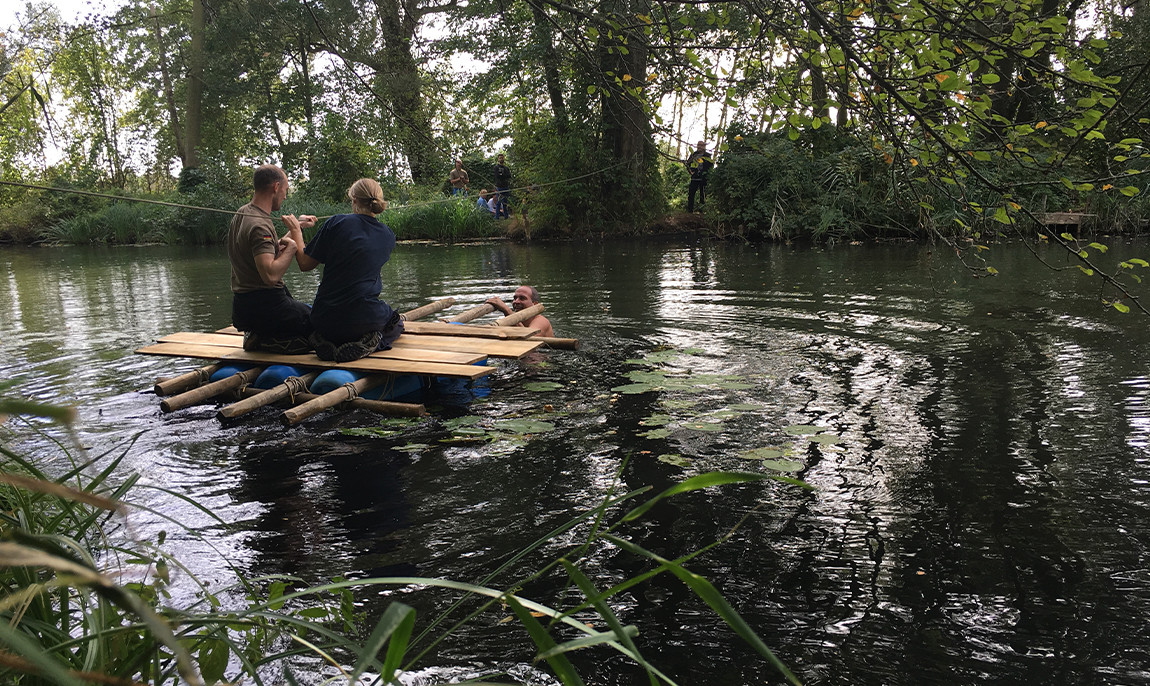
x,y
275,375
229,370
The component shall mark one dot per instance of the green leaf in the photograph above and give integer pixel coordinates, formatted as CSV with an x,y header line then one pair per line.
x,y
543,641
213,659
1130,191
802,429
675,459
396,624
524,426
989,79
542,386
1121,307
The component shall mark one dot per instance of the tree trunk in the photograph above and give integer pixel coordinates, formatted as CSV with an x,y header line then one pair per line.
x,y
404,92
169,93
626,124
550,66
194,115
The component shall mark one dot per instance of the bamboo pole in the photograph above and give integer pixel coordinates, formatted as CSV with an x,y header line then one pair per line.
x,y
211,390
348,391
293,386
473,313
558,343
429,308
185,381
388,407
520,316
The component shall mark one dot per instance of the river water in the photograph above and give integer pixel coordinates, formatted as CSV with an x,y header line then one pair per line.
x,y
981,471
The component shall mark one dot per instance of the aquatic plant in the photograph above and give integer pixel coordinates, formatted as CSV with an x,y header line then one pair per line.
x,y
67,619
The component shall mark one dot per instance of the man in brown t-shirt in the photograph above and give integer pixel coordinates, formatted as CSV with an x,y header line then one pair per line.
x,y
262,307
458,178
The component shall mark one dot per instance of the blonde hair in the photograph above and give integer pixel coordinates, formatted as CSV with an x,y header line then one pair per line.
x,y
367,194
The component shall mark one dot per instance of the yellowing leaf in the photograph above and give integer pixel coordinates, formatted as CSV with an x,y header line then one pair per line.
x,y
1015,205
913,162
626,77
1107,187
856,13
1040,125
886,156
940,77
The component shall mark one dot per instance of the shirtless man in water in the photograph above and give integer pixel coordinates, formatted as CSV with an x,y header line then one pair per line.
x,y
525,296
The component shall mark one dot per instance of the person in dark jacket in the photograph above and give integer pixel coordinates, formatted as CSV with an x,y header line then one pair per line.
x,y
502,188
698,165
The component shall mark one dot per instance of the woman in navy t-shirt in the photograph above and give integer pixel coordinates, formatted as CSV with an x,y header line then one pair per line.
x,y
349,318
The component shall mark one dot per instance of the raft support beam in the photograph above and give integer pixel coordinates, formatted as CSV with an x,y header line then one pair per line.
x,y
211,390
292,387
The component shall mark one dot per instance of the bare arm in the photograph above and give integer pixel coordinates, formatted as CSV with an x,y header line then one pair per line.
x,y
273,267
295,232
498,304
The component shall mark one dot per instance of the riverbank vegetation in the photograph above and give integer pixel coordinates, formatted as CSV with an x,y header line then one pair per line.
x,y
947,118
88,601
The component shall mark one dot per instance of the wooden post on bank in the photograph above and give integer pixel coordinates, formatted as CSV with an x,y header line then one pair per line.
x,y
348,391
293,386
429,308
211,390
186,381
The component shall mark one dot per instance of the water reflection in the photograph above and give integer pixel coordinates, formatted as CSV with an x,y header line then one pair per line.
x,y
982,501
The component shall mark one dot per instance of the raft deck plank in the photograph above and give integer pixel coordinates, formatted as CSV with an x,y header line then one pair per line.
x,y
413,353
512,349
506,333
367,364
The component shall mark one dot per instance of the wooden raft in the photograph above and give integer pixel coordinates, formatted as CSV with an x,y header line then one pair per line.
x,y
425,349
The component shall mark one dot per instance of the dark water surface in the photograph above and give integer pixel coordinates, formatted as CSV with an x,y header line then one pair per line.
x,y
982,512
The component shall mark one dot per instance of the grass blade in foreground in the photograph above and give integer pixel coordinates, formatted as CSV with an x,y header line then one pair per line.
x,y
710,595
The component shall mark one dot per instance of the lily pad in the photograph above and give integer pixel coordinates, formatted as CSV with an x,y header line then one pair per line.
x,y
656,420
709,427
675,459
656,433
783,465
524,426
761,454
802,429
372,431
679,403
745,407
466,420
826,439
470,431
542,386
643,376
413,447
634,388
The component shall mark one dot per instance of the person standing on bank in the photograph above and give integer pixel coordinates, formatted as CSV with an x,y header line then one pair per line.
x,y
262,307
349,319
458,178
698,165
502,188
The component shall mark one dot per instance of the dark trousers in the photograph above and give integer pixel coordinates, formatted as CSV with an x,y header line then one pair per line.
x,y
271,312
501,203
697,186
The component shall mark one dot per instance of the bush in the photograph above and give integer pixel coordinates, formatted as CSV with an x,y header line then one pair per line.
x,y
24,221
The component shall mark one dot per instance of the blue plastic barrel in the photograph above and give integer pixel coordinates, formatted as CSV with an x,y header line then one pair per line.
x,y
229,370
275,375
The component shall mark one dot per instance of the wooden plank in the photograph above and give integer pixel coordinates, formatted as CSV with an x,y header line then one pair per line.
x,y
414,353
367,364
441,329
491,348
